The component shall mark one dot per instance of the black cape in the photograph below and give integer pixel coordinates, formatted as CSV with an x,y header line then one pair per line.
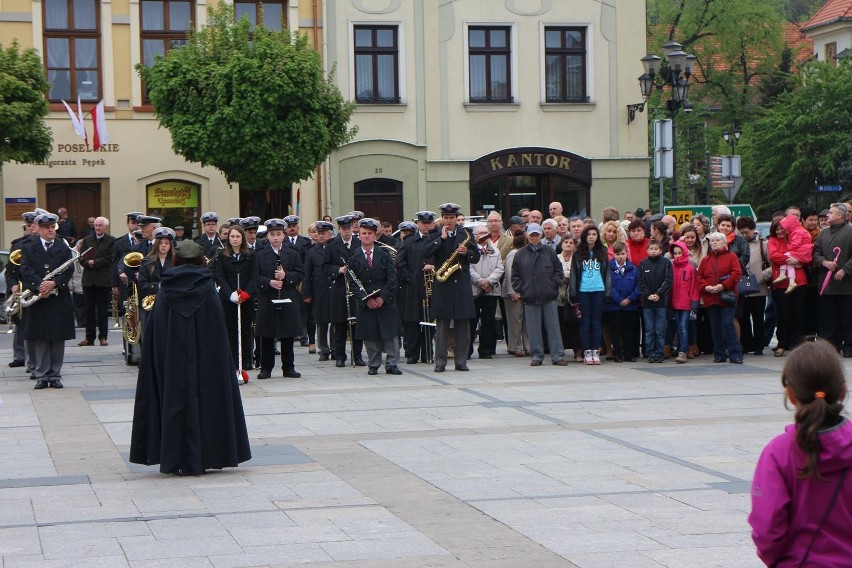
x,y
188,415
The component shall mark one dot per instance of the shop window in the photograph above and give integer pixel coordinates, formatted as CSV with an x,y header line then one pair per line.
x,y
72,49
565,65
165,25
490,64
272,13
376,50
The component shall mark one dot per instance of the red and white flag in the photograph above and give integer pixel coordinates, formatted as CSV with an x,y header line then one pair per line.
x,y
101,135
77,120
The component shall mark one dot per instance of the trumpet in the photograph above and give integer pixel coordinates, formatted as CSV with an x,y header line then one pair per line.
x,y
452,264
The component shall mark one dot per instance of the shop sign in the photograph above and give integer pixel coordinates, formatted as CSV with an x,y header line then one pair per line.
x,y
529,160
17,206
685,213
173,194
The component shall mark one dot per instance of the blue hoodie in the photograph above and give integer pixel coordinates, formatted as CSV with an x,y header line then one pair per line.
x,y
622,286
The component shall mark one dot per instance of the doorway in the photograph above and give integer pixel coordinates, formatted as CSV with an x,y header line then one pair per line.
x,y
380,198
82,200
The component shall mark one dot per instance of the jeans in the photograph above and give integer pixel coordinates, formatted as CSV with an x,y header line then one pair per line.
x,y
655,330
591,306
681,318
725,342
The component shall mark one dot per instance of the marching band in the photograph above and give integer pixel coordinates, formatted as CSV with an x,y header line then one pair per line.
x,y
361,287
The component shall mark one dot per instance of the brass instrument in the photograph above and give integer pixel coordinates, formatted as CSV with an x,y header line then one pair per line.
x,y
148,302
133,259
130,323
15,257
114,308
388,248
27,297
452,264
428,324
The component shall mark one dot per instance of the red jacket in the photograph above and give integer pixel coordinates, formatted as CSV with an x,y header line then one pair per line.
x,y
776,249
684,281
715,266
637,252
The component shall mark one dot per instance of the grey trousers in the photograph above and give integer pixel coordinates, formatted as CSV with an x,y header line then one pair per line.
x,y
534,314
462,341
375,348
18,352
49,356
518,339
29,348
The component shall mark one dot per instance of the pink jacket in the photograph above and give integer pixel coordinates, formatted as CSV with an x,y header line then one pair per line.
x,y
786,510
684,280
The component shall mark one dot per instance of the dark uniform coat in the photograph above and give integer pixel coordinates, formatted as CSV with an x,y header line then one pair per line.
x,y
100,274
452,299
149,276
13,272
318,284
381,323
188,415
336,251
123,245
303,244
278,320
51,318
209,247
409,263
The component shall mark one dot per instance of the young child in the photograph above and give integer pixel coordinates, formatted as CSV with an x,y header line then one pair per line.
x,y
622,305
685,295
655,282
801,501
799,245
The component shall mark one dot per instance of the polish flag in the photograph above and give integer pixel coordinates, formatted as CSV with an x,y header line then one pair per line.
x,y
101,135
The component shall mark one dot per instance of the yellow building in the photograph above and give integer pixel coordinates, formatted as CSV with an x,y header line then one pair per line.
x,y
90,48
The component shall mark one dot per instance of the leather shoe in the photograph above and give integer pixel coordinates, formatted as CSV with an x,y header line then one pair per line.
x,y
54,384
392,371
17,363
535,363
323,357
40,384
486,356
291,374
462,368
563,362
359,362
340,363
104,342
409,361
373,371
439,368
85,343
263,375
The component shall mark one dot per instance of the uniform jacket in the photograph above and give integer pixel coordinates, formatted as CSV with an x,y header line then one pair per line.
x,y
489,267
51,318
537,274
383,322
228,269
209,247
318,284
622,285
335,252
786,510
452,299
283,319
99,275
718,267
123,245
302,245
150,273
835,236
409,263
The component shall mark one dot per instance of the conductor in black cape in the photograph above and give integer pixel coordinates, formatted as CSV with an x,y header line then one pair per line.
x,y
188,415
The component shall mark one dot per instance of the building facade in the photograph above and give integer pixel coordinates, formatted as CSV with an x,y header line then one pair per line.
x,y
831,31
90,48
495,105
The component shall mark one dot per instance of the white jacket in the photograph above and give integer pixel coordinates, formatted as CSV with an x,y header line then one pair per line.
x,y
490,268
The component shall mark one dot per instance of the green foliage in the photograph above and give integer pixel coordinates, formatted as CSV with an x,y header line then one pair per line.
x,y
253,103
805,137
24,136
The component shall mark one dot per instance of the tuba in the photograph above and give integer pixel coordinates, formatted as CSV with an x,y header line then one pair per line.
x,y
452,264
133,259
130,323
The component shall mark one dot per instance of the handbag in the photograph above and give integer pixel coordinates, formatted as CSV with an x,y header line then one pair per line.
x,y
749,284
571,313
728,297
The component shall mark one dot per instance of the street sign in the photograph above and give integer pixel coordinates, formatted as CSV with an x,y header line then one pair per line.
x,y
828,188
685,213
663,154
17,206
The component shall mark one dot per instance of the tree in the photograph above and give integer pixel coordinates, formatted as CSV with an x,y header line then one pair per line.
x,y
804,137
251,102
24,136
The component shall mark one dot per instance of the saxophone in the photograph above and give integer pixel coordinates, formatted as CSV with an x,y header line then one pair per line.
x,y
130,325
452,264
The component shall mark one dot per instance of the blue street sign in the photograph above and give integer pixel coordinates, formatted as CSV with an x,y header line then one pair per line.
x,y
829,188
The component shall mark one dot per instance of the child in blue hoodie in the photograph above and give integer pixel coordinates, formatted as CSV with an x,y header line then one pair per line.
x,y
621,305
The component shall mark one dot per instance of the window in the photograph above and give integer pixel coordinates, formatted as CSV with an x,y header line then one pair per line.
x,y
831,54
165,24
376,64
272,13
72,41
565,65
490,56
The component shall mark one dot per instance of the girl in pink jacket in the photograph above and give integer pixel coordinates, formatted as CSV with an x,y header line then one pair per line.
x,y
801,501
684,295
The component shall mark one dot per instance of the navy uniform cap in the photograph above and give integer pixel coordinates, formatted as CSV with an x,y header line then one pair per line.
x,y
164,232
275,224
344,221
40,211
356,215
369,224
147,219
292,219
134,215
210,216
250,223
47,219
449,209
425,216
234,220
407,226
179,228
29,216
324,226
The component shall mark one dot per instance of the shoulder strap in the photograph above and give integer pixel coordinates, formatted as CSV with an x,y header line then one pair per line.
x,y
825,515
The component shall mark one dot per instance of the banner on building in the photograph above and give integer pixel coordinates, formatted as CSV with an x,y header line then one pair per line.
x,y
172,194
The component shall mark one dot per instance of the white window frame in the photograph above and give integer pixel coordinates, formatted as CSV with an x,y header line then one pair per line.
x,y
400,36
590,56
513,72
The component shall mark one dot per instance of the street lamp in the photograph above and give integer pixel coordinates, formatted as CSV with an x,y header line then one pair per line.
x,y
732,137
675,71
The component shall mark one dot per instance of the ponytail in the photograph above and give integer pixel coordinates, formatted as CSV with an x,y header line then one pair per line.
x,y
811,418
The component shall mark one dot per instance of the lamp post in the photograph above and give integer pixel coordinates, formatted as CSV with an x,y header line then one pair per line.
x,y
675,72
732,164
732,137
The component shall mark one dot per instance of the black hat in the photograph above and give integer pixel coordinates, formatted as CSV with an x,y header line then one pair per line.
x,y
250,223
368,223
407,226
515,220
292,219
187,249
344,221
29,216
164,232
134,215
808,211
147,220
425,216
179,228
210,216
356,215
639,212
449,209
234,220
47,219
324,226
275,224
137,234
